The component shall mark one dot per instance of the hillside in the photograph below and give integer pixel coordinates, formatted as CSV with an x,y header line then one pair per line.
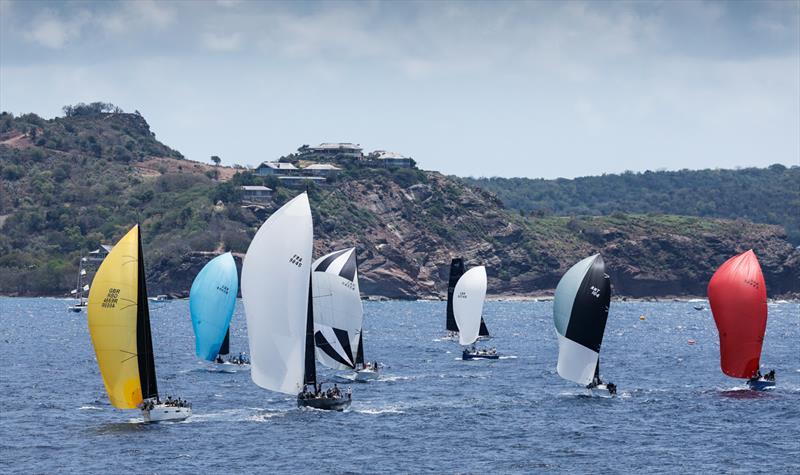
x,y
763,195
71,183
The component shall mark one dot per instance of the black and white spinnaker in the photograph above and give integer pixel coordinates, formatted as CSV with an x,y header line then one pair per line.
x,y
338,314
580,311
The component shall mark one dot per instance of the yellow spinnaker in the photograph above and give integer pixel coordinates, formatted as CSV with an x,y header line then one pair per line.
x,y
112,321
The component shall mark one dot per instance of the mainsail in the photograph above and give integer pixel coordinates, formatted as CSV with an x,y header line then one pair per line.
x,y
212,300
468,296
580,311
119,324
456,271
738,297
275,289
338,312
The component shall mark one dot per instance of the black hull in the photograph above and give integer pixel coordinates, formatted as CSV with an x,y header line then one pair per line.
x,y
471,356
326,403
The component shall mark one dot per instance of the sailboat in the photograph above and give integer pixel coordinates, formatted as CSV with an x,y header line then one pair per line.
x,y
276,289
79,289
119,324
338,314
580,311
212,301
737,294
469,294
456,271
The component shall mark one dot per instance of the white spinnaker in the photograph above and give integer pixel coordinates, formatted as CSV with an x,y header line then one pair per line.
x,y
337,304
468,297
275,285
575,362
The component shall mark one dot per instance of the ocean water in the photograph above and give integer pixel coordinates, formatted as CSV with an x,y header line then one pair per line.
x,y
429,412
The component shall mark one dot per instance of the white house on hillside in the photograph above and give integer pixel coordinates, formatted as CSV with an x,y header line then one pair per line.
x,y
391,159
275,168
331,151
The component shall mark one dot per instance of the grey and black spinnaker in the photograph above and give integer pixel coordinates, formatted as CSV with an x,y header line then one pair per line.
x,y
580,311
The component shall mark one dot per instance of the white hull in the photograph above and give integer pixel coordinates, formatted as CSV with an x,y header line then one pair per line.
x,y
365,375
162,413
600,391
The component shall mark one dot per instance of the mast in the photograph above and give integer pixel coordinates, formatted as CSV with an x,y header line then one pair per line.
x,y
310,360
144,339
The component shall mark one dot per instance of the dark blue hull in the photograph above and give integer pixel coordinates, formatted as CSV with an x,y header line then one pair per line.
x,y
760,384
474,356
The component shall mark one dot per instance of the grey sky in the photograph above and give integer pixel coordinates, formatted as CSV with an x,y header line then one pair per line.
x,y
539,89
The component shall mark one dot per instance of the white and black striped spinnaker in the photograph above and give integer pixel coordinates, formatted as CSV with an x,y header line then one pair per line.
x,y
580,311
338,313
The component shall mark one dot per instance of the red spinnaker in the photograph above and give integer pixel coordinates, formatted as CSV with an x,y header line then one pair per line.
x,y
738,297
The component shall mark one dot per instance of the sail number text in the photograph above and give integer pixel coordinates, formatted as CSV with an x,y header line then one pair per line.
x,y
111,298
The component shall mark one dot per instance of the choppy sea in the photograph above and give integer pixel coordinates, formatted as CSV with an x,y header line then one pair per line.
x,y
429,411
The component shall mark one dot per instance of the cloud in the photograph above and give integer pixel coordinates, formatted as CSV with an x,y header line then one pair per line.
x,y
53,32
222,42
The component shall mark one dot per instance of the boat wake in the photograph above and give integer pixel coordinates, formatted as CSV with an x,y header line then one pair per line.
x,y
377,411
90,408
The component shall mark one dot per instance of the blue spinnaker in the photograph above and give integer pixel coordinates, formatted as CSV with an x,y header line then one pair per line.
x,y
212,301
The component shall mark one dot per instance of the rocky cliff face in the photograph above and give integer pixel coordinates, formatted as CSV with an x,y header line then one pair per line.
x,y
406,235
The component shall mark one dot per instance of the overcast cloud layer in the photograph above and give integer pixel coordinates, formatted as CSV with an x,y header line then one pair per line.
x,y
509,89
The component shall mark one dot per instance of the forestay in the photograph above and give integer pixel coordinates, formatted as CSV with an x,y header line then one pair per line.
x,y
338,312
468,296
580,311
212,300
275,290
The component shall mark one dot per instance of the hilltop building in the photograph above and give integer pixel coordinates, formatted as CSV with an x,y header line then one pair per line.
x,y
385,159
275,168
256,193
331,151
321,169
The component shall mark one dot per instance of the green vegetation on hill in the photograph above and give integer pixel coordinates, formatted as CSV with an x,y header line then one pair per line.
x,y
72,183
763,195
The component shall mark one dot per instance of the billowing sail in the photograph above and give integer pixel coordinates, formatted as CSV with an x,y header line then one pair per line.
x,y
738,297
468,296
212,300
338,312
580,311
275,290
119,324
456,271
